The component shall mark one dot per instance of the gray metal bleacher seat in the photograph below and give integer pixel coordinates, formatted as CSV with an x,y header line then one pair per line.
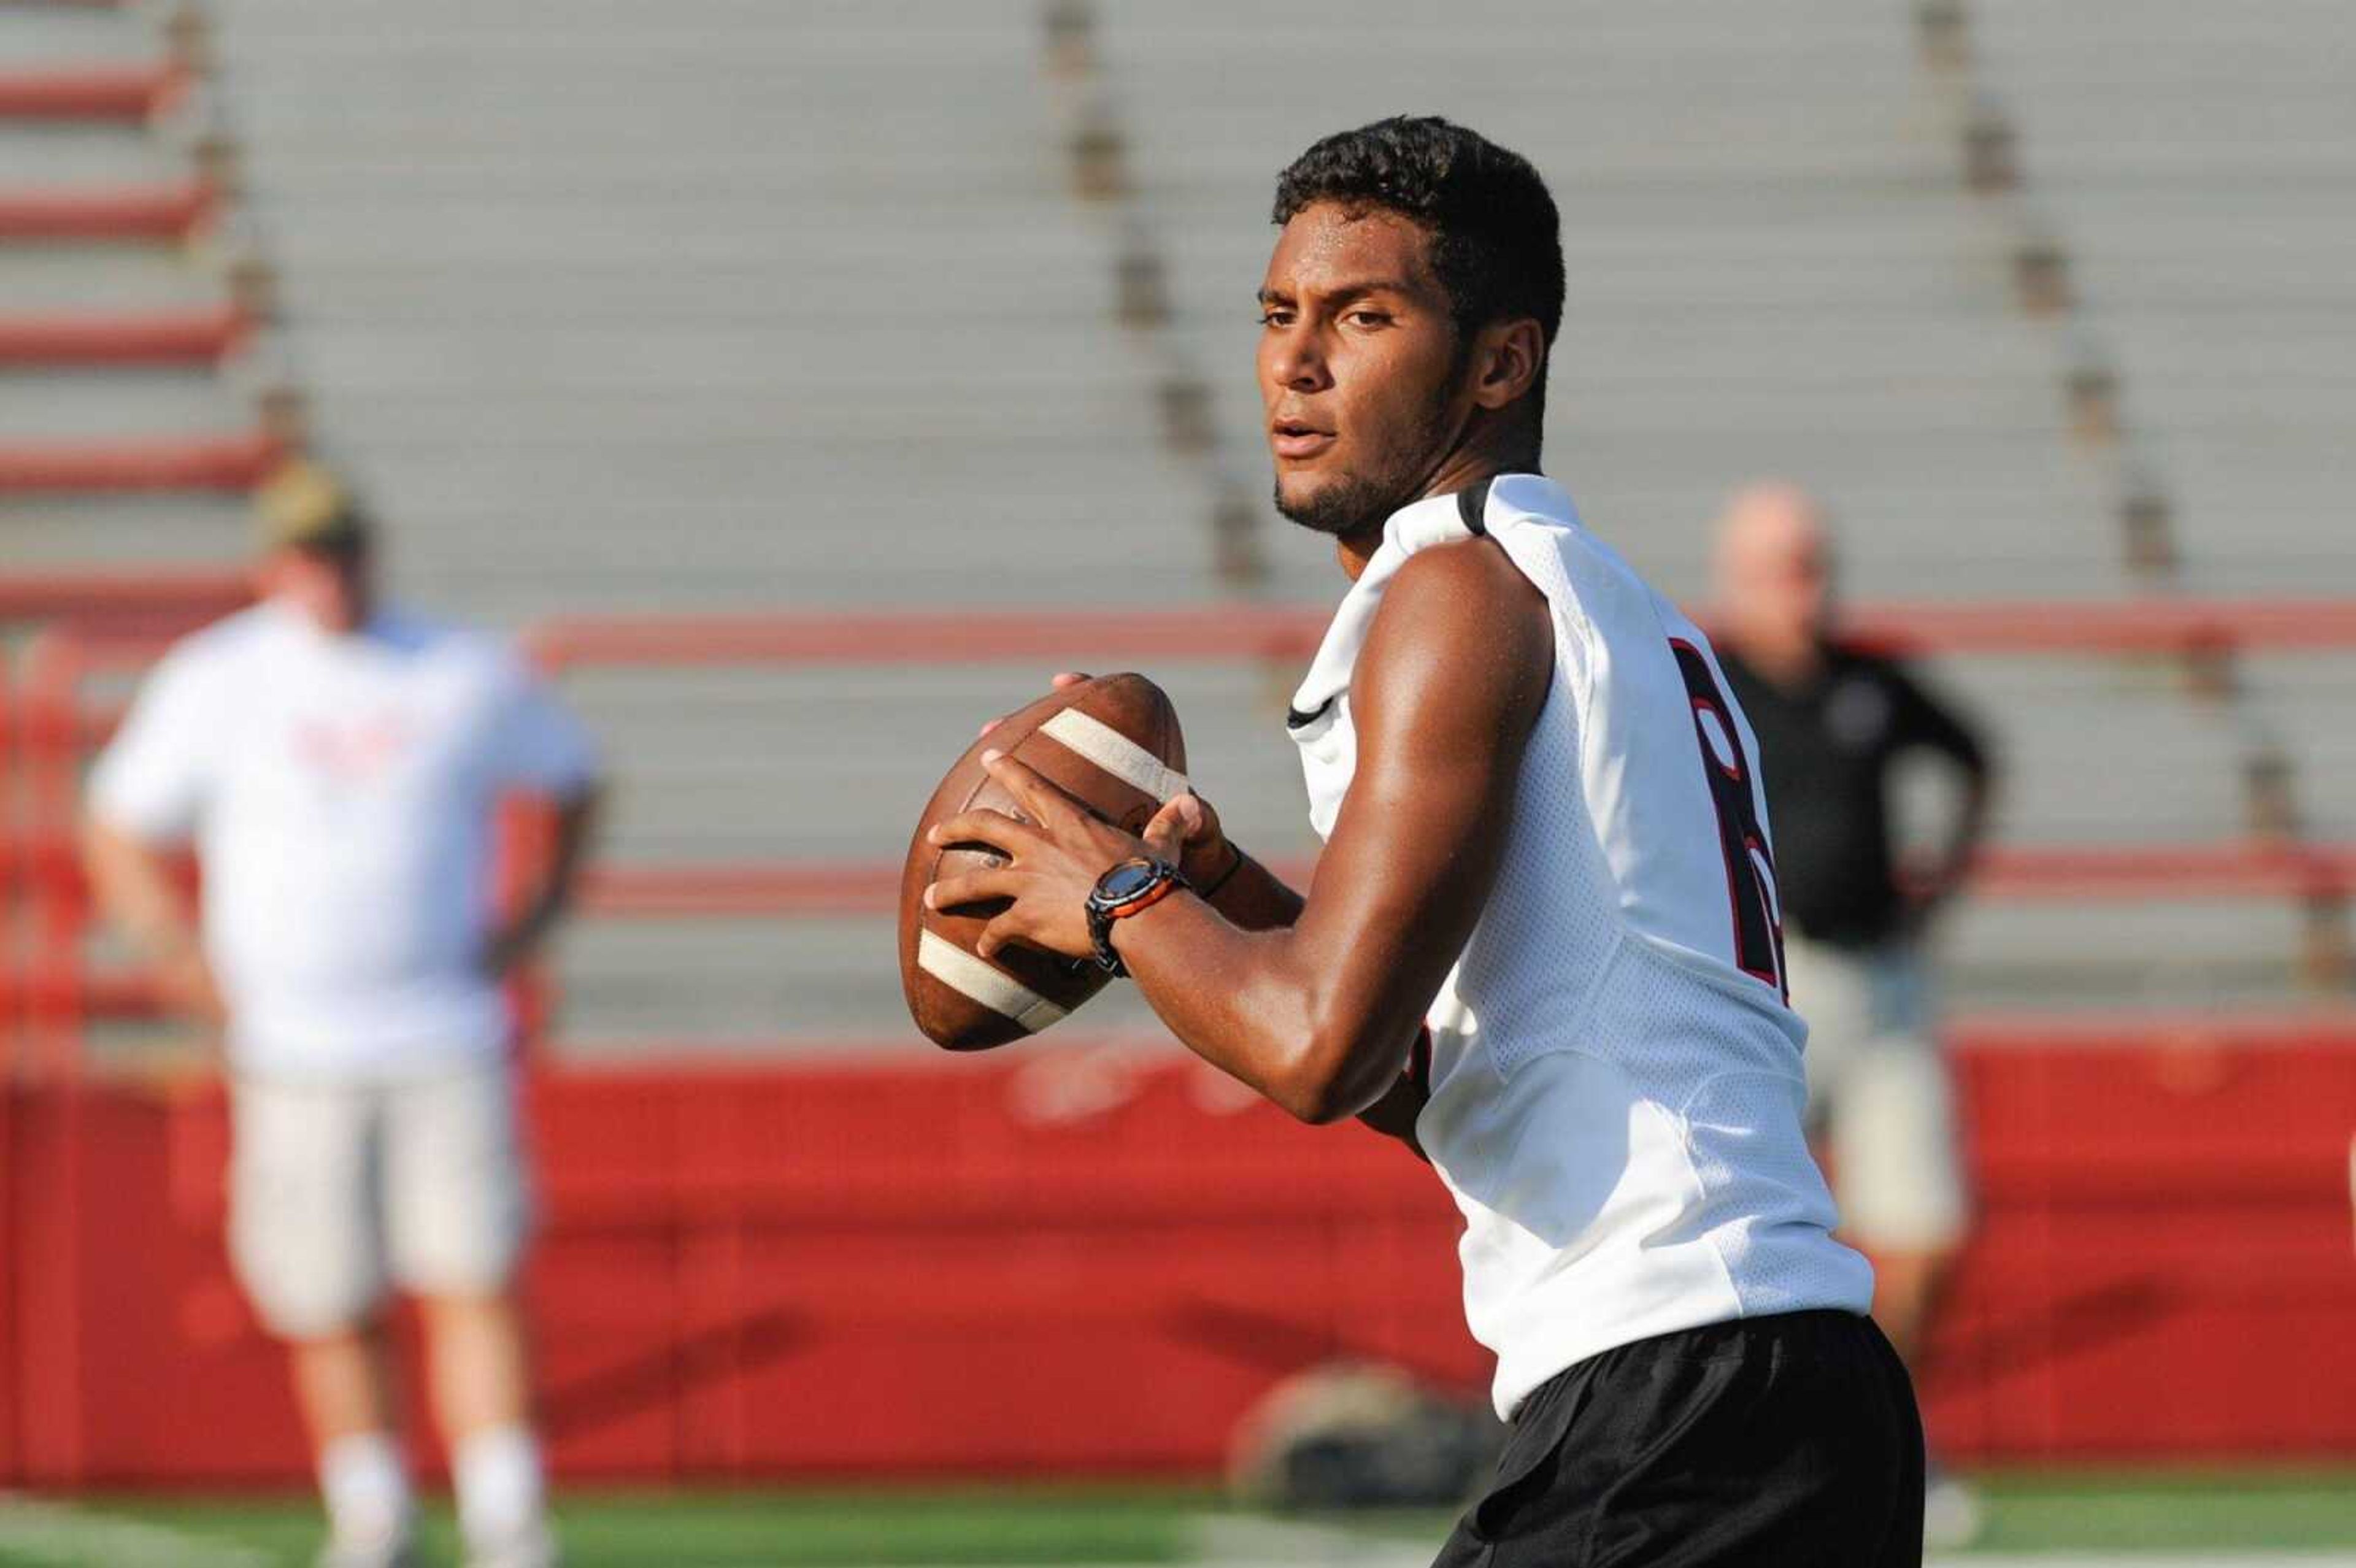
x,y
62,277
820,288
2203,168
131,532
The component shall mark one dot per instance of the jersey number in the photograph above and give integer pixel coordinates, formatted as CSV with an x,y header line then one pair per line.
x,y
1750,864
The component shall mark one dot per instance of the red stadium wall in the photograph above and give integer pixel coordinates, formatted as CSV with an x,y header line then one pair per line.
x,y
1038,1262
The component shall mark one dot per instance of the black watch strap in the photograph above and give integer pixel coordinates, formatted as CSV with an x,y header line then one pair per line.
x,y
1129,888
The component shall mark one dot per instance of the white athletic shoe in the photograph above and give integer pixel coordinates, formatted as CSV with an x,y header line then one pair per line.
x,y
532,1547
390,1551
1953,1516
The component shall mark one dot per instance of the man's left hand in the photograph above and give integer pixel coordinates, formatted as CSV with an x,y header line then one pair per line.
x,y
1053,861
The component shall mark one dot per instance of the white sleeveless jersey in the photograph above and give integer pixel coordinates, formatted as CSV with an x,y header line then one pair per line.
x,y
1616,1083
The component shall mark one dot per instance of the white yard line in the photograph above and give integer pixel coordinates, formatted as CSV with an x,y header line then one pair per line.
x,y
1276,1548
38,1530
1238,1541
1228,1540
63,1535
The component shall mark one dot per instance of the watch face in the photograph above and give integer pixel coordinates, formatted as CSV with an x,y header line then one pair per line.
x,y
1127,880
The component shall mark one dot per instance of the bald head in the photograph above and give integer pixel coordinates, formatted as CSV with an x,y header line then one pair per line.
x,y
1774,567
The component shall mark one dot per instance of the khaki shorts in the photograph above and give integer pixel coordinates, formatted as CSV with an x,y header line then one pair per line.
x,y
1880,1099
340,1193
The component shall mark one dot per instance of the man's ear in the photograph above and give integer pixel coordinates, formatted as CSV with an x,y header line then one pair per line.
x,y
1506,361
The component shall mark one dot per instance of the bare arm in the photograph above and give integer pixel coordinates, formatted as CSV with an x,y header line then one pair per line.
x,y
132,883
1321,1017
513,942
1250,897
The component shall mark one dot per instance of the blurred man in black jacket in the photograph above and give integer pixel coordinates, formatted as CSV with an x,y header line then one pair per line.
x,y
1832,720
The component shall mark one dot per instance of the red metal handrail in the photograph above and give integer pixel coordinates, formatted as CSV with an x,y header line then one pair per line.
x,y
2023,873
902,638
86,92
179,336
806,891
171,601
162,210
2127,626
1256,631
230,461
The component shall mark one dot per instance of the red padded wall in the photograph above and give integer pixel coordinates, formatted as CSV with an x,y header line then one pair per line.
x,y
1046,1262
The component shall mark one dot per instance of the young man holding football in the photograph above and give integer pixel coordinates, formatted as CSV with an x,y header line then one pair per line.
x,y
1543,943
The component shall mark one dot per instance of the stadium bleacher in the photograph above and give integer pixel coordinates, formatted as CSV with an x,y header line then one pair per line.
x,y
2211,226
740,309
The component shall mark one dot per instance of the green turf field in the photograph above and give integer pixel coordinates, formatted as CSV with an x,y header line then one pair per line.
x,y
2246,1519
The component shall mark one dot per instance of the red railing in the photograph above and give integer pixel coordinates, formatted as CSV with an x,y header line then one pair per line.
x,y
233,461
167,601
162,209
2013,873
88,91
54,991
2198,627
183,335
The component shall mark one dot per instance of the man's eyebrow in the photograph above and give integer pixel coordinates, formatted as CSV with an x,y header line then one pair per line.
x,y
1352,289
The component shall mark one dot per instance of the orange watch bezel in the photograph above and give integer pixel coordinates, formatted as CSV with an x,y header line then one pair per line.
x,y
1146,899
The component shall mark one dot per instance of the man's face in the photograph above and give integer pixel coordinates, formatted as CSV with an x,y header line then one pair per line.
x,y
1775,565
327,585
1359,366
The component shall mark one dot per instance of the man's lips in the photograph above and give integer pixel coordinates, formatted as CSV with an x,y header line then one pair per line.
x,y
1293,440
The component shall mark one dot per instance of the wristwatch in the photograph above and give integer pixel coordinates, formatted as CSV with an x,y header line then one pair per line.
x,y
1133,886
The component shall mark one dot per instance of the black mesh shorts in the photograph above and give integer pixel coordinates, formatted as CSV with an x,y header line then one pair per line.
x,y
1762,1442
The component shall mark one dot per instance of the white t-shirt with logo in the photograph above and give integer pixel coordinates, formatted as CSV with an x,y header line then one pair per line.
x,y
1616,1080
342,792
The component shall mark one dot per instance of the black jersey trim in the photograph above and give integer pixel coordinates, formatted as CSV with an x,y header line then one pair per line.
x,y
1296,720
1473,505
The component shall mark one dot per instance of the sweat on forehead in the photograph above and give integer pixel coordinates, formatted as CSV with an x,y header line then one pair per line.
x,y
1328,245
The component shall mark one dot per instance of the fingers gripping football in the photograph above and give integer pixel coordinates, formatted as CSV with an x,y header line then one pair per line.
x,y
1105,752
1053,861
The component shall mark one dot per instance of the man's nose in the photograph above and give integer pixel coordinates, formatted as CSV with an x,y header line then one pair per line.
x,y
1296,361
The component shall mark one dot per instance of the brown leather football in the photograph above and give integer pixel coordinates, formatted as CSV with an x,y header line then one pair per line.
x,y
1112,744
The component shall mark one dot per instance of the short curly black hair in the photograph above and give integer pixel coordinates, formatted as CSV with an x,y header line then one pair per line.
x,y
1496,242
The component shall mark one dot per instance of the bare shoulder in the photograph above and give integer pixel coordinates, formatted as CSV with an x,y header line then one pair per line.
x,y
1460,625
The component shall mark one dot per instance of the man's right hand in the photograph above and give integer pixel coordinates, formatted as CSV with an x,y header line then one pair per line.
x,y
1187,831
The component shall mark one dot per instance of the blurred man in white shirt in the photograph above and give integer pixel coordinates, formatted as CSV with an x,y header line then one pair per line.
x,y
338,763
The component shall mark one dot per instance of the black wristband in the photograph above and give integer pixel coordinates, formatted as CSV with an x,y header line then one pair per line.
x,y
1224,878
